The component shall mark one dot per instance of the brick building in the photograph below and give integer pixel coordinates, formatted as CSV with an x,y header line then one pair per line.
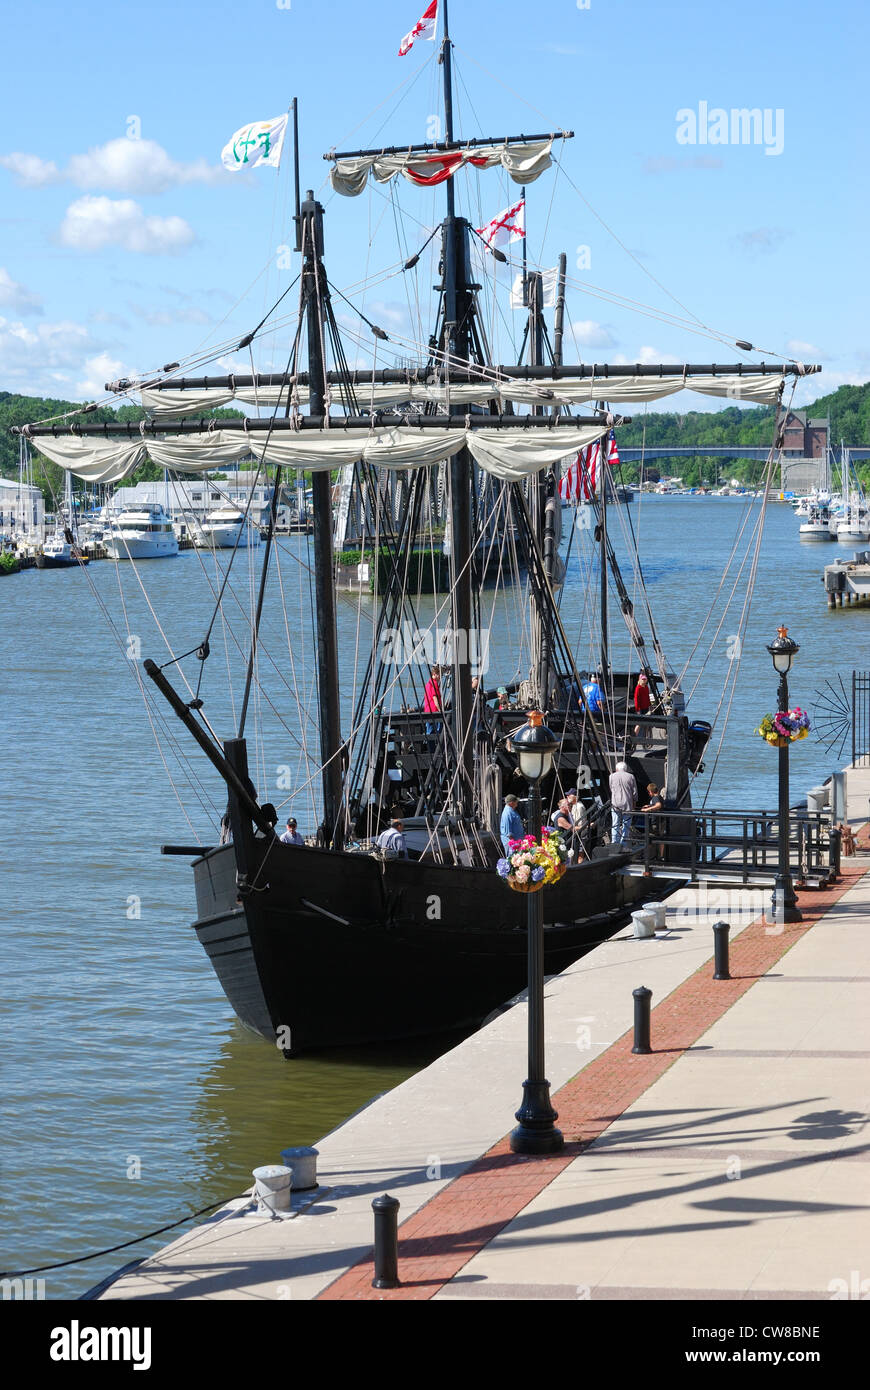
x,y
805,438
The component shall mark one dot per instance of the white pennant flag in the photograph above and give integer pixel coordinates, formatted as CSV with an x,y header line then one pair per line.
x,y
423,29
509,225
550,281
258,143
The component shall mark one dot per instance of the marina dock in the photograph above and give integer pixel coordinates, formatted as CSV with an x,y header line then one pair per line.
x,y
848,581
728,1163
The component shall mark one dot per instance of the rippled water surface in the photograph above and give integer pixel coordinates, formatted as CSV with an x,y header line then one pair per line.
x,y
121,1055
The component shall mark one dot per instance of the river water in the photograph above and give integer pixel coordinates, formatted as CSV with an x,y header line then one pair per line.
x,y
131,1096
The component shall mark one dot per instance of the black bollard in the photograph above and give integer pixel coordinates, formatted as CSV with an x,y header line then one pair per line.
x,y
641,997
386,1210
721,969
834,839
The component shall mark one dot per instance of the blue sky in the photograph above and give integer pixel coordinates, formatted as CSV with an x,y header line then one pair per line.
x,y
114,260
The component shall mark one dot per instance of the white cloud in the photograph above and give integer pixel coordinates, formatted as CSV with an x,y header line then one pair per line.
x,y
98,370
761,241
803,351
30,170
33,360
588,333
105,316
16,298
646,356
164,318
91,224
119,166
667,164
810,388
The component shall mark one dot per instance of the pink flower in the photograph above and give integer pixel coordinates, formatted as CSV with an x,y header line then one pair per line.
x,y
522,873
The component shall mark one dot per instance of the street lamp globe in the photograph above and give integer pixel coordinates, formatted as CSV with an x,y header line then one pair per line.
x,y
535,745
783,651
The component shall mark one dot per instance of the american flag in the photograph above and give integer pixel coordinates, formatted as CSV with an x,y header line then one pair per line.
x,y
580,483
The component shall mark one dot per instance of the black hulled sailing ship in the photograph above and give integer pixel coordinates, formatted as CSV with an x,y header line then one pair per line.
x,y
335,944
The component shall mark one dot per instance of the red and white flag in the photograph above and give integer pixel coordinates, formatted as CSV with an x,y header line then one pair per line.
x,y
509,225
581,482
423,29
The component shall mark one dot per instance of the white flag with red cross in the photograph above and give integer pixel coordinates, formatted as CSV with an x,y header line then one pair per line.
x,y
423,29
509,225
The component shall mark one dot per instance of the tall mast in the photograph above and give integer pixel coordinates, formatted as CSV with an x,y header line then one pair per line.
x,y
603,450
541,492
455,345
314,297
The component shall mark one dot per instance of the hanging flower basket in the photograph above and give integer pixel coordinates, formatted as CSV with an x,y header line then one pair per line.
x,y
531,865
784,727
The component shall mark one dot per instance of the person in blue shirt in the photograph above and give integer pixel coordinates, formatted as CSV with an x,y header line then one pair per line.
x,y
594,696
291,835
392,840
511,827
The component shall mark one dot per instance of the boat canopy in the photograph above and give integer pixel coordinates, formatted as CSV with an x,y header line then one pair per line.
x,y
763,389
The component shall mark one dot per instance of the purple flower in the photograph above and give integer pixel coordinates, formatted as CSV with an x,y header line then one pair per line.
x,y
503,868
538,874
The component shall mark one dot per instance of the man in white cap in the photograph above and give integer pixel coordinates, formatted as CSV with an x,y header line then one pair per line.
x,y
623,799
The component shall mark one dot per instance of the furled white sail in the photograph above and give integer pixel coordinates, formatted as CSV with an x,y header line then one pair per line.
x,y
509,454
524,162
761,388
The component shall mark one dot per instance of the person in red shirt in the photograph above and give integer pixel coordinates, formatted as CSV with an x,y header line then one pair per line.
x,y
642,704
432,700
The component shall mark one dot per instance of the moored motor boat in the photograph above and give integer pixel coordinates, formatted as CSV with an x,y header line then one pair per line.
x,y
141,533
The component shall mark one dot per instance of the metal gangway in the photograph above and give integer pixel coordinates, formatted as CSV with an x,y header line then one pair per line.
x,y
734,846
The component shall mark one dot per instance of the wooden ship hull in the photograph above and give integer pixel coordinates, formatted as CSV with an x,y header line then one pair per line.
x,y
329,949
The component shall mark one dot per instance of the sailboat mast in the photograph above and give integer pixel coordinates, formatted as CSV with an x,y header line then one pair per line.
x,y
314,292
542,489
603,451
455,345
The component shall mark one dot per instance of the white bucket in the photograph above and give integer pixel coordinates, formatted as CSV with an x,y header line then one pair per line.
x,y
272,1187
659,913
302,1163
644,924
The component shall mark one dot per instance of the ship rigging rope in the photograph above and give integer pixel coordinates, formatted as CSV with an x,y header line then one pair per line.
x,y
151,709
746,517
360,722
775,451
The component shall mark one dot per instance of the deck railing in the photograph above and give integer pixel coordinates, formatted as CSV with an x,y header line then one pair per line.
x,y
738,844
861,718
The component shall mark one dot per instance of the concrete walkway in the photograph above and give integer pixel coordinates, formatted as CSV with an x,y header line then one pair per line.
x,y
731,1163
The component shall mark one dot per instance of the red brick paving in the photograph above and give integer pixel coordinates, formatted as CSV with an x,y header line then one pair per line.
x,y
439,1239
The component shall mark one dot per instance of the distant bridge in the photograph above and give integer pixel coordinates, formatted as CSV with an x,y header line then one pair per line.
x,y
723,451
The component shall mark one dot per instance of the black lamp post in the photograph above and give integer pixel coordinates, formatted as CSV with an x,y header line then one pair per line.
x,y
784,903
536,1132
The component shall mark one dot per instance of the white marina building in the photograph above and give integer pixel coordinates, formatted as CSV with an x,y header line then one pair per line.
x,y
22,508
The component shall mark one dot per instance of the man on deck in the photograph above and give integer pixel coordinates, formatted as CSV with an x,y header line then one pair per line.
x,y
623,799
291,835
392,840
594,697
511,827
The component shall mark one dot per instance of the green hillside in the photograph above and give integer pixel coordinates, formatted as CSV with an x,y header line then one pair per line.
x,y
24,410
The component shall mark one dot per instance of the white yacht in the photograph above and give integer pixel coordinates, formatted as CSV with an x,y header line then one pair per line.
x,y
817,526
224,528
140,533
853,527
